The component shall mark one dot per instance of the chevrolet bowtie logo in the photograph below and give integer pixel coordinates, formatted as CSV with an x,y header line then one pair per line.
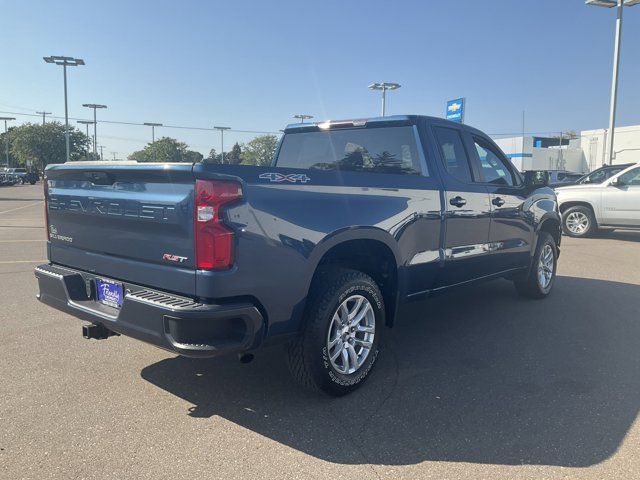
x,y
454,107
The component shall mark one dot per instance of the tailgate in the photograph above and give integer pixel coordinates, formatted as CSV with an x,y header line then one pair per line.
x,y
126,221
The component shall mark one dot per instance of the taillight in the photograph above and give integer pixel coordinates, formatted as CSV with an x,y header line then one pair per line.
x,y
45,186
213,239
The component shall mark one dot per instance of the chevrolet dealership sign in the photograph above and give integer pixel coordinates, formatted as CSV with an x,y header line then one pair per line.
x,y
455,110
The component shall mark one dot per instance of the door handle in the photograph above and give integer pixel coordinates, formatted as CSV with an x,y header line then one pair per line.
x,y
458,201
498,202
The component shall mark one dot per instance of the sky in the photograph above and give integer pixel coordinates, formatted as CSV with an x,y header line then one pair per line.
x,y
251,65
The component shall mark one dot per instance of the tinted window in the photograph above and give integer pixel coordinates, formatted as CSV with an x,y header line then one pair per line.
x,y
630,178
494,168
379,150
453,153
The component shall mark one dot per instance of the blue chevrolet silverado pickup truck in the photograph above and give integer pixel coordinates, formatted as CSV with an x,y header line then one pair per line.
x,y
317,251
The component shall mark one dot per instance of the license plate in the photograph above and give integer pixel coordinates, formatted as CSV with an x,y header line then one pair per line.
x,y
109,293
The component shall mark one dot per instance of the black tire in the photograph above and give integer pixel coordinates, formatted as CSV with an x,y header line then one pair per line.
x,y
32,182
531,286
308,354
583,212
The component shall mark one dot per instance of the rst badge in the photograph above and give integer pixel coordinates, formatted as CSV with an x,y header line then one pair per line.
x,y
174,258
280,177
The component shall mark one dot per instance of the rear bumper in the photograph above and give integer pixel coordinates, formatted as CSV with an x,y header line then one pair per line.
x,y
174,323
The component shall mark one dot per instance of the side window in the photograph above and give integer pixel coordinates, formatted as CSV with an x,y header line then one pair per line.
x,y
493,166
630,178
453,153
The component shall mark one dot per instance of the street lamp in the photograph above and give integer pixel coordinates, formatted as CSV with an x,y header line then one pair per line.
x,y
44,114
302,117
95,106
153,136
86,123
65,62
620,4
6,138
221,130
384,86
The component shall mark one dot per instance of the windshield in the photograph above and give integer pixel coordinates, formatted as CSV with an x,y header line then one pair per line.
x,y
600,175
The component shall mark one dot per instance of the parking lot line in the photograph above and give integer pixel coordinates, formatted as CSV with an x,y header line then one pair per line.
x,y
20,208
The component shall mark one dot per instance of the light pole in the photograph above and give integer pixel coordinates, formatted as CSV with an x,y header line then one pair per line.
x,y
153,136
302,117
384,86
65,62
44,114
6,139
221,130
95,106
86,123
101,154
114,156
620,4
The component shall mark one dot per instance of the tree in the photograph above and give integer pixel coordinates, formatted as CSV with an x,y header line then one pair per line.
x,y
45,144
234,157
260,150
166,150
214,157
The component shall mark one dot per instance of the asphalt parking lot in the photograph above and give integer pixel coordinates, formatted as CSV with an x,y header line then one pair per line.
x,y
473,384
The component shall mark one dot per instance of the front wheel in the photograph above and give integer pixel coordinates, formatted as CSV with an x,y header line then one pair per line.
x,y
578,222
542,273
343,324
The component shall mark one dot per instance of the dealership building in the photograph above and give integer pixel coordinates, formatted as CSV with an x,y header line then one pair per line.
x,y
582,154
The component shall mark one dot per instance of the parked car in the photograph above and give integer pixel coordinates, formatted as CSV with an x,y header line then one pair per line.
x,y
562,177
601,174
614,203
317,251
8,178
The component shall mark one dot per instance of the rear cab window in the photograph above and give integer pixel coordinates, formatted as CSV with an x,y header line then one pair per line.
x,y
453,153
376,150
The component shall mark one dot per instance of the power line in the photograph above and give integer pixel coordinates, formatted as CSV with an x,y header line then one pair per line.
x,y
181,127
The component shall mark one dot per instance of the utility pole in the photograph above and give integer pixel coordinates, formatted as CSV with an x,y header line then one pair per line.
x,y
65,62
44,114
114,156
221,130
101,155
6,139
153,136
94,106
86,123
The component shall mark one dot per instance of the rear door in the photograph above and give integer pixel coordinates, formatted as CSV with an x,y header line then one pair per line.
x,y
511,231
125,221
621,202
467,211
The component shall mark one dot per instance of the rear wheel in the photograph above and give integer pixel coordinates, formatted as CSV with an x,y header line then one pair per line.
x,y
343,324
578,222
542,273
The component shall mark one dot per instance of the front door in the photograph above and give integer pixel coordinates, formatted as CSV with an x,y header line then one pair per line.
x,y
621,202
511,230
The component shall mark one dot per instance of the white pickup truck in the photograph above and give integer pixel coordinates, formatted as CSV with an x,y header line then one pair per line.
x,y
614,203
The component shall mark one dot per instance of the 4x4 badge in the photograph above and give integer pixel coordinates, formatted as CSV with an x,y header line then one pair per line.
x,y
280,177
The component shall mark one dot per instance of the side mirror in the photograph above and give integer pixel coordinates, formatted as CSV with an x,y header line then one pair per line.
x,y
615,182
536,178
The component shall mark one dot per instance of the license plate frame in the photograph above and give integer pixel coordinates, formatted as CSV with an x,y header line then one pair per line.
x,y
109,293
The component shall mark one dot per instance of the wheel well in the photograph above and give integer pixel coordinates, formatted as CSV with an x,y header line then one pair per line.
x,y
552,227
567,205
371,257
